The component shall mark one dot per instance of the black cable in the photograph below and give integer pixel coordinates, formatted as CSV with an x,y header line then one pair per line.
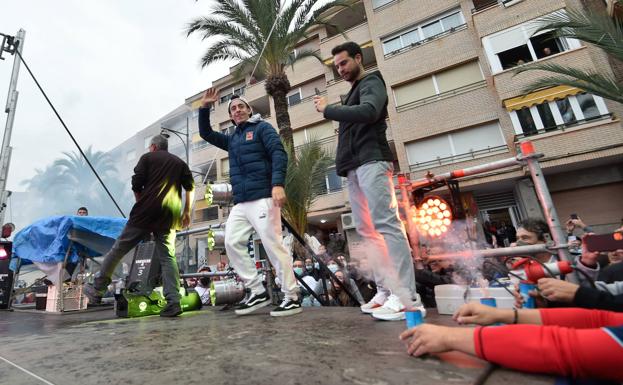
x,y
588,277
502,271
503,287
69,132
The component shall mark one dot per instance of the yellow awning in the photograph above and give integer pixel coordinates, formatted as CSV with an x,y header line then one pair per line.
x,y
196,138
547,95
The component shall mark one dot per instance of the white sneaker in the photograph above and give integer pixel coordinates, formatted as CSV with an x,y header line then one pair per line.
x,y
394,310
376,302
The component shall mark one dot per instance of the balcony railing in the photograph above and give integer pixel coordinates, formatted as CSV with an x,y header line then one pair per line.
x,y
442,95
427,40
459,158
325,39
481,5
563,127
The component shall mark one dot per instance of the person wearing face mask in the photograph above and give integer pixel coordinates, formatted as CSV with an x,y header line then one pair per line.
x,y
312,269
203,285
301,270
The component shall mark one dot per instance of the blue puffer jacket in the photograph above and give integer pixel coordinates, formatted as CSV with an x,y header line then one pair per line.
x,y
257,160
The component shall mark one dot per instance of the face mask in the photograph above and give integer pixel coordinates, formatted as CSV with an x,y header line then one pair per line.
x,y
309,267
316,265
333,268
298,270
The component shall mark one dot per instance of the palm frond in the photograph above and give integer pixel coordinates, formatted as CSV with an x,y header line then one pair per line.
x,y
595,83
306,169
300,55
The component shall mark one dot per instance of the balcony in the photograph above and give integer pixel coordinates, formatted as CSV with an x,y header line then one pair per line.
x,y
255,91
497,17
588,141
304,70
509,84
459,158
303,113
359,34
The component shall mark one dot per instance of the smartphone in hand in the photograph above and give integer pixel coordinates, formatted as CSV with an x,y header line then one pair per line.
x,y
604,242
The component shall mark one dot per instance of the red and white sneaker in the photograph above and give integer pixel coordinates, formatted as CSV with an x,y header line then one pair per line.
x,y
376,302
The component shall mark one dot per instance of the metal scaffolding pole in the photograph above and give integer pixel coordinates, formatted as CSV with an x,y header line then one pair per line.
x,y
528,158
9,44
545,199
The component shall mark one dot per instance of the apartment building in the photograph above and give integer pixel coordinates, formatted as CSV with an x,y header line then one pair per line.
x,y
454,102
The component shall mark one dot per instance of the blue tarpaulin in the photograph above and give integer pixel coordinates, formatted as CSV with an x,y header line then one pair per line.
x,y
47,240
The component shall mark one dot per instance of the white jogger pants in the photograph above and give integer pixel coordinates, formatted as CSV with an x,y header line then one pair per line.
x,y
259,215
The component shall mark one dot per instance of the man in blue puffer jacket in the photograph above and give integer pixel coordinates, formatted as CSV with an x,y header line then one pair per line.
x,y
257,169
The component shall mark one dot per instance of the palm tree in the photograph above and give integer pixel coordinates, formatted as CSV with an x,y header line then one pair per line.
x,y
305,172
69,182
594,28
263,33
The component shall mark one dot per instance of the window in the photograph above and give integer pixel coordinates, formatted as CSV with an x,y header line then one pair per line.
x,y
452,21
208,169
317,132
547,118
456,146
225,167
550,115
439,83
330,183
432,29
526,120
588,106
518,45
239,91
427,30
225,98
334,181
295,98
200,145
566,111
515,56
380,3
228,129
484,4
207,214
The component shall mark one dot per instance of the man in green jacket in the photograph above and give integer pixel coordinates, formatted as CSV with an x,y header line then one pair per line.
x,y
364,157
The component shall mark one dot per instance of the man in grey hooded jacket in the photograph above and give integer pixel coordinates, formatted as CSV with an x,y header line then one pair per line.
x,y
364,157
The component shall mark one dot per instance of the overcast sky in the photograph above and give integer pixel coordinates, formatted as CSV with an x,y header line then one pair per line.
x,y
111,68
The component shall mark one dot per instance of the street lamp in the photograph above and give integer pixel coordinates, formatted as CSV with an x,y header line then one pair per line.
x,y
164,130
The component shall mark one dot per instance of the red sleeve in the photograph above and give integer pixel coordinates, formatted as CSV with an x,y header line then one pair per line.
x,y
580,318
578,353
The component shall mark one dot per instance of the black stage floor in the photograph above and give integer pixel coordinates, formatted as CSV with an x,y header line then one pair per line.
x,y
320,346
